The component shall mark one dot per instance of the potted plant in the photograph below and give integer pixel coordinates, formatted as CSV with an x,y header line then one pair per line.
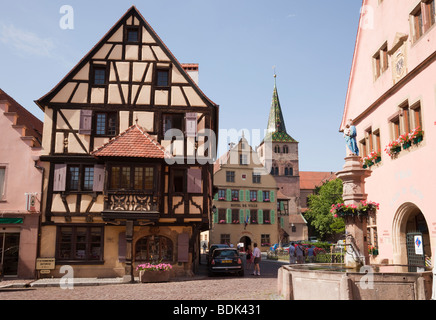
x,y
393,147
405,141
149,272
417,135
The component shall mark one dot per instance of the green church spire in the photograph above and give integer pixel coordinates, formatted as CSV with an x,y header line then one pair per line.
x,y
276,129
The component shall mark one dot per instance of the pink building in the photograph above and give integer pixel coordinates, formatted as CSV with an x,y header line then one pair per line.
x,y
20,188
392,99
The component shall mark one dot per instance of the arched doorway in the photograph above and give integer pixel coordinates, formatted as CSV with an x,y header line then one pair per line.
x,y
246,241
409,223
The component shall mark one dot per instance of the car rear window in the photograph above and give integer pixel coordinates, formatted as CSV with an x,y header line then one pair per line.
x,y
225,254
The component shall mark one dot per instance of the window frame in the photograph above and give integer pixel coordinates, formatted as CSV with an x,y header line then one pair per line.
x,y
109,131
131,178
94,69
147,245
73,242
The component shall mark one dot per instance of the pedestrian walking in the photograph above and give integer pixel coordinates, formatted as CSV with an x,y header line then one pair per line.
x,y
311,253
299,253
249,258
292,253
257,255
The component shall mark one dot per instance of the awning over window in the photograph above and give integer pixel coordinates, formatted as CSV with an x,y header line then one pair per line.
x,y
11,220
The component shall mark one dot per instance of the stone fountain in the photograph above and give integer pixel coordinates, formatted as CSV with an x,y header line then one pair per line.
x,y
356,279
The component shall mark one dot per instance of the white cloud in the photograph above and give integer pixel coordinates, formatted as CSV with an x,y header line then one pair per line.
x,y
26,43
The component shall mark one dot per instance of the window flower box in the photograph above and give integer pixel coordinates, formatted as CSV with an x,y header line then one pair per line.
x,y
235,221
222,221
266,200
253,200
222,199
235,199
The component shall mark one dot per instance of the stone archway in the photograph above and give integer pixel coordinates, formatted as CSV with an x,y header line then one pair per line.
x,y
246,241
408,218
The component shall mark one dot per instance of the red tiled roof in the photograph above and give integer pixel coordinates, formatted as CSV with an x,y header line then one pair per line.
x,y
132,143
310,180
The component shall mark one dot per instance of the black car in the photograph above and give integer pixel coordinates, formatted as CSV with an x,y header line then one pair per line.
x,y
211,250
226,260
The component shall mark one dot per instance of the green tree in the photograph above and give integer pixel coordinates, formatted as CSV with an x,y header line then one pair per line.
x,y
319,216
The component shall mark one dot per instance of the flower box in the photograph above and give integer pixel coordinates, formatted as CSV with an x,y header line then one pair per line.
x,y
266,200
221,199
153,276
154,272
407,145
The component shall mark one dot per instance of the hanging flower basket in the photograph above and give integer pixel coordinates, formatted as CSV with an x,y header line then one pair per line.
x,y
363,209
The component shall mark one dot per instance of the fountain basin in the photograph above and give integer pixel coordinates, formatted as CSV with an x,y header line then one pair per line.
x,y
335,282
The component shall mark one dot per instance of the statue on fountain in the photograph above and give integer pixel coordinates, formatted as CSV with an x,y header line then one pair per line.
x,y
350,134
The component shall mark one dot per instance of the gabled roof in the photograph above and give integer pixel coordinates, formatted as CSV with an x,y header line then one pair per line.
x,y
132,143
33,126
133,11
276,129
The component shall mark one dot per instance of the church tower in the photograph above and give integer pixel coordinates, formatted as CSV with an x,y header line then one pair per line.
x,y
278,152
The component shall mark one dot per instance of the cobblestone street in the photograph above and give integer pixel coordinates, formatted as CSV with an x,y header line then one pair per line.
x,y
202,287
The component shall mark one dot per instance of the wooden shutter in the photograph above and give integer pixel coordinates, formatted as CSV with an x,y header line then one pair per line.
x,y
272,217
229,195
60,177
241,195
191,124
183,247
215,216
271,196
98,178
241,216
122,245
260,216
229,216
194,181
247,217
247,195
259,196
85,122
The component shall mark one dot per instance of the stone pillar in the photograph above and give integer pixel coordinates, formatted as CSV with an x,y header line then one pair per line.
x,y
353,177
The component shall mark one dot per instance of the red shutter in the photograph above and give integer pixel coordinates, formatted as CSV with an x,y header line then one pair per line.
x,y
98,178
183,247
85,122
60,177
122,244
194,181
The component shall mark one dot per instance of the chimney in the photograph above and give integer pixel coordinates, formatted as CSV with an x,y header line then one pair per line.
x,y
192,70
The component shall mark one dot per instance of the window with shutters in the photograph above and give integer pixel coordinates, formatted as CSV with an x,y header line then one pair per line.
x,y
380,61
235,195
80,178
235,216
221,216
221,194
266,196
266,217
422,18
106,123
253,217
152,248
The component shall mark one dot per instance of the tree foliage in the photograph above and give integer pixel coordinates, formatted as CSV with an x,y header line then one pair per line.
x,y
320,203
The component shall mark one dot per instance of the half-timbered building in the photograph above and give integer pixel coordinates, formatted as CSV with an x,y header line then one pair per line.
x,y
128,147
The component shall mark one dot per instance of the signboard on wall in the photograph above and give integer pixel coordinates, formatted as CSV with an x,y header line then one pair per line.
x,y
418,245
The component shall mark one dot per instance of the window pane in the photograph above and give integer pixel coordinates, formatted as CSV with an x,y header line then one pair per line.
x,y
162,78
95,245
115,177
125,178
178,180
149,178
101,123
74,178
88,179
99,76
132,35
139,178
112,125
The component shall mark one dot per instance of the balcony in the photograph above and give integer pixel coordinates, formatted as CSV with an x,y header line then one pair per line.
x,y
131,205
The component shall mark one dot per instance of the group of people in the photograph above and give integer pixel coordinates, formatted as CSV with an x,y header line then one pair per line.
x,y
297,253
253,259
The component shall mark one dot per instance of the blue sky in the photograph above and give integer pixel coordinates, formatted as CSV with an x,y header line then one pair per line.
x,y
236,42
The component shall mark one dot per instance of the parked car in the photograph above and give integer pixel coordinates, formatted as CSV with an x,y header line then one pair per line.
x,y
226,260
211,250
